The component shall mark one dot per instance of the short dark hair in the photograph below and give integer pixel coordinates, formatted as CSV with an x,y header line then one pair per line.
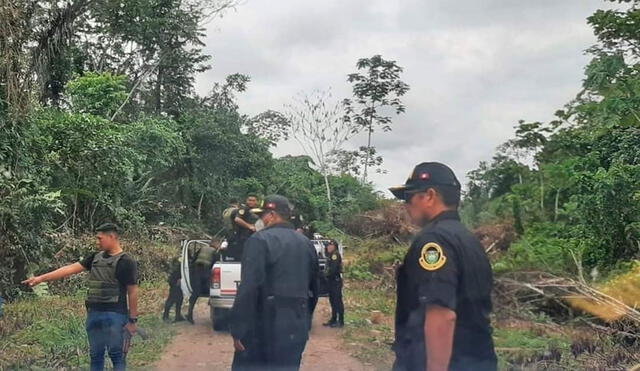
x,y
109,228
450,195
252,195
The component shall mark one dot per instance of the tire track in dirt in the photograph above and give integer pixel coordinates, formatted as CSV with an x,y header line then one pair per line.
x,y
198,347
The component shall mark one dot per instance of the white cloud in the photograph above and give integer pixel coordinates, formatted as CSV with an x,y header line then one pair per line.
x,y
474,67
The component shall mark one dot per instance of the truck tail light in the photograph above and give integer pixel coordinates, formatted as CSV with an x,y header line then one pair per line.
x,y
215,278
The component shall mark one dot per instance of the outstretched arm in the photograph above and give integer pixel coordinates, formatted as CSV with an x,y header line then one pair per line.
x,y
244,224
59,273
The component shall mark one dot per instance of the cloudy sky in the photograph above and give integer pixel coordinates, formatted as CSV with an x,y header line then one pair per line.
x,y
475,67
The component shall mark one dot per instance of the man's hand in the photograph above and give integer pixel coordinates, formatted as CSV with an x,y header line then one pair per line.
x,y
252,227
238,346
132,328
33,281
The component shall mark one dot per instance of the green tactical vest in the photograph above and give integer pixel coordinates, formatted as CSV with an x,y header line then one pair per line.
x,y
104,287
205,256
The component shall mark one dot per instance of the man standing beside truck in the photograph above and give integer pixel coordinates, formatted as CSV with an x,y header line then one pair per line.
x,y
269,320
113,277
203,259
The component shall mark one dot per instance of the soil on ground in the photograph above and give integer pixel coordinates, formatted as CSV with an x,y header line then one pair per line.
x,y
199,347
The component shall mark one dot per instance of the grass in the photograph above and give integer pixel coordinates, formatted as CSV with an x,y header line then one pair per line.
x,y
529,342
369,335
49,332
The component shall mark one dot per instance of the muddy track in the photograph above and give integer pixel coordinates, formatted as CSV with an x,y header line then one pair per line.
x,y
197,347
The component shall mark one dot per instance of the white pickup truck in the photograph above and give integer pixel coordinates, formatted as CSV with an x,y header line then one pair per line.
x,y
225,278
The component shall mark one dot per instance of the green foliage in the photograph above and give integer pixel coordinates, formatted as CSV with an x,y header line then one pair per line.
x,y
377,88
97,94
543,247
31,340
585,174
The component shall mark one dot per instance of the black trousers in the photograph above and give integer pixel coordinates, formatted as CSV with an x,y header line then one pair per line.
x,y
335,299
175,298
199,285
279,343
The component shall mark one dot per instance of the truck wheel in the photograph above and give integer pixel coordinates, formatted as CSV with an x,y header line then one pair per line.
x,y
219,319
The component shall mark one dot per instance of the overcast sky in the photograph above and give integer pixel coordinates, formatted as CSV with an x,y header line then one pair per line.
x,y
475,67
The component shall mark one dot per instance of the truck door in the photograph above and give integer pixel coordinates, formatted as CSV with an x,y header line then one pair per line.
x,y
189,250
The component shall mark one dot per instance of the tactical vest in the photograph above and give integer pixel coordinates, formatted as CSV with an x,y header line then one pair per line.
x,y
104,287
227,218
205,256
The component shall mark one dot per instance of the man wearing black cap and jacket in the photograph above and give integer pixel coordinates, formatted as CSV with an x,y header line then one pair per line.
x,y
269,320
444,284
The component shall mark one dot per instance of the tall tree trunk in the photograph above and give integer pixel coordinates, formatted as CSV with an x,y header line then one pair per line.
x,y
366,163
158,91
555,213
200,206
328,188
541,193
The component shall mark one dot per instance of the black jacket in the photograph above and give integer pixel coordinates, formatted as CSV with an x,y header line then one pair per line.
x,y
279,263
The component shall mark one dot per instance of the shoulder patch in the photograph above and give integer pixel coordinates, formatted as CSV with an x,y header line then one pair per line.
x,y
432,257
241,211
334,257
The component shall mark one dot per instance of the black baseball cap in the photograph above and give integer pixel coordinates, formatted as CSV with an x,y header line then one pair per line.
x,y
109,228
425,176
277,203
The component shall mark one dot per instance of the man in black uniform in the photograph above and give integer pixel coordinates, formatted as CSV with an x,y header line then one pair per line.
x,y
175,292
333,273
244,226
444,284
113,278
269,319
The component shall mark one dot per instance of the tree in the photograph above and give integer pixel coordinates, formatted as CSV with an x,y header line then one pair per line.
x,y
376,89
352,162
318,125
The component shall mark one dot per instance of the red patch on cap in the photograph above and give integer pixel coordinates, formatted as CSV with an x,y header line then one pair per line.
x,y
425,176
270,205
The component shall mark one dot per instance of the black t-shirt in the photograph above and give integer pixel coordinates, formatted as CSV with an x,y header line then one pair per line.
x,y
446,266
126,274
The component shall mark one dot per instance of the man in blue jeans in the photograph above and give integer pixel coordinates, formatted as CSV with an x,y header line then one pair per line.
x,y
113,277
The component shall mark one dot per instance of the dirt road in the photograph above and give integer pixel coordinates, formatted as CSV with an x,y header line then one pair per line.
x,y
198,347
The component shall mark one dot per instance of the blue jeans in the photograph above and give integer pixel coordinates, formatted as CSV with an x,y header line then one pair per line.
x,y
105,331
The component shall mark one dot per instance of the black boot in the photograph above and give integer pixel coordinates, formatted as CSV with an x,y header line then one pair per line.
x,y
179,318
331,322
340,322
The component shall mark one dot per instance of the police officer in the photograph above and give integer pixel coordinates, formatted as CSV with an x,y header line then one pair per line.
x,y
175,292
444,284
333,273
113,276
244,226
269,319
204,258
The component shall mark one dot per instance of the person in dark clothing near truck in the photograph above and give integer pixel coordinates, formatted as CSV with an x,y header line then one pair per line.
x,y
269,319
113,277
175,292
333,273
203,259
243,226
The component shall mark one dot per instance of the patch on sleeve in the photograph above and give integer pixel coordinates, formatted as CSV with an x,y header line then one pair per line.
x,y
241,211
432,257
334,257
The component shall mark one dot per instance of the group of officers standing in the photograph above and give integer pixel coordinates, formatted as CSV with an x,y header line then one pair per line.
x,y
443,287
